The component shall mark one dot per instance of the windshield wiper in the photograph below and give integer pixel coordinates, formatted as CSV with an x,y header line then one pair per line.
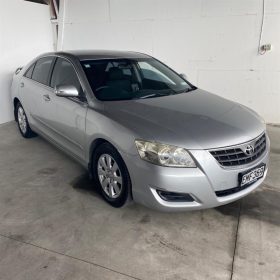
x,y
186,90
153,95
166,93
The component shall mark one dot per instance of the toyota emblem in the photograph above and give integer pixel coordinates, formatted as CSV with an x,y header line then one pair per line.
x,y
249,150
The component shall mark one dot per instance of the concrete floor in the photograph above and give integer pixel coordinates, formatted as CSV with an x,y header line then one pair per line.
x,y
53,225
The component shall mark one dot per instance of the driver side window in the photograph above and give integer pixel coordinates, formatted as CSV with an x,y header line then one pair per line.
x,y
65,74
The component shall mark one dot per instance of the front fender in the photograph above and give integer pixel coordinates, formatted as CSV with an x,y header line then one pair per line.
x,y
99,126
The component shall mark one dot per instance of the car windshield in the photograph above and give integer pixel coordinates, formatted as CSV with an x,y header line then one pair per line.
x,y
125,79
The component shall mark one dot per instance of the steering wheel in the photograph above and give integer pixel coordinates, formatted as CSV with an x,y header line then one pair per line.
x,y
100,88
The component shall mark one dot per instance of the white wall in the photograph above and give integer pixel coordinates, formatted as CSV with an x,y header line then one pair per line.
x,y
25,31
214,42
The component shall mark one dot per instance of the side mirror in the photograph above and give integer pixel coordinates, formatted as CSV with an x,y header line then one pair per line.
x,y
66,91
184,76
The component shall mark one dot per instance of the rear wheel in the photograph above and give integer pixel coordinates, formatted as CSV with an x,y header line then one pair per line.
x,y
111,175
23,123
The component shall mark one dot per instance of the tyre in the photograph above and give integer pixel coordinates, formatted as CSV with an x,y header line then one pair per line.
x,y
111,175
23,123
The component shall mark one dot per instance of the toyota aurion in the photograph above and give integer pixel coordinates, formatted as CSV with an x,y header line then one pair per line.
x,y
142,131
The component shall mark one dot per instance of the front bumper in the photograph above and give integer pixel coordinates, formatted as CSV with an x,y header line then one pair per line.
x,y
201,183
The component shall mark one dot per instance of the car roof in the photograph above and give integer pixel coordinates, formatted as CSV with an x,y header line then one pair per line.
x,y
101,54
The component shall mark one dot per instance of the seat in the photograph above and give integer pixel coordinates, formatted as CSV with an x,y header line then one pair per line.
x,y
117,80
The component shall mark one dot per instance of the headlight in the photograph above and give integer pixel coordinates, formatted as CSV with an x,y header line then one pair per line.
x,y
165,155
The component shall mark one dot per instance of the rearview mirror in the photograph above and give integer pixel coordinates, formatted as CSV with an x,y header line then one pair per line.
x,y
66,91
184,76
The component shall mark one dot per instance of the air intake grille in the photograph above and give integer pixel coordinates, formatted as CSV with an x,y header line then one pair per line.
x,y
238,156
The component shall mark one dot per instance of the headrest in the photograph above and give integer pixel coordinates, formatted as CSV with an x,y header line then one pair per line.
x,y
115,73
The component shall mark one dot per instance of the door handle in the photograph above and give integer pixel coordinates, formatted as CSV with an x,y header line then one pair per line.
x,y
47,97
21,84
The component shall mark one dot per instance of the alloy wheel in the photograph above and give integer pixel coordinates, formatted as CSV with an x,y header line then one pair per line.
x,y
109,176
22,121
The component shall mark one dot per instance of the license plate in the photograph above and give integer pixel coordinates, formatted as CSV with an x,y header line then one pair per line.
x,y
251,176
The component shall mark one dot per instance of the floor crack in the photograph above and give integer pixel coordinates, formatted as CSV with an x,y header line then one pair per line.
x,y
236,239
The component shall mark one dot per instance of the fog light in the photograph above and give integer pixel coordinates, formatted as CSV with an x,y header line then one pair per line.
x,y
175,197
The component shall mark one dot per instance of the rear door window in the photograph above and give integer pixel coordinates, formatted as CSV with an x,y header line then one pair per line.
x,y
42,70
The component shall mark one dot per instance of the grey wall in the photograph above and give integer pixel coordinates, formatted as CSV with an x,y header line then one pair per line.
x,y
215,42
25,31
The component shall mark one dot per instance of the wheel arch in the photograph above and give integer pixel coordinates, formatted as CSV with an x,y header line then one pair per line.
x,y
94,145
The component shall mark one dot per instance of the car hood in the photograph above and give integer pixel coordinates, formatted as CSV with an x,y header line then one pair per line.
x,y
193,120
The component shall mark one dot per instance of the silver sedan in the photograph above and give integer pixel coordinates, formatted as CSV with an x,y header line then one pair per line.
x,y
143,132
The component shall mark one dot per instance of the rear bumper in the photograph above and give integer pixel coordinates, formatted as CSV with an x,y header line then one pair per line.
x,y
201,183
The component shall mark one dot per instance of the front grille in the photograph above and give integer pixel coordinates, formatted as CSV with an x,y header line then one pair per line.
x,y
236,155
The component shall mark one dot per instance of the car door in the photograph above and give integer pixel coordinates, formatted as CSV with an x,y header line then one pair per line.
x,y
68,114
34,91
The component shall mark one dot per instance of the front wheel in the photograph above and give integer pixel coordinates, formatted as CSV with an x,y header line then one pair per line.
x,y
23,123
111,175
